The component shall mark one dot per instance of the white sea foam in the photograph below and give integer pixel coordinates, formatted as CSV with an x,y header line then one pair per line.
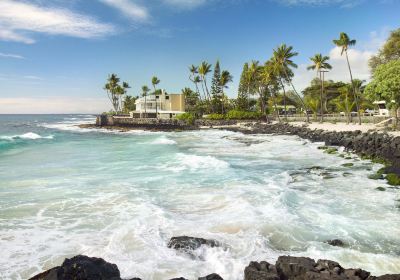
x,y
163,141
122,198
26,136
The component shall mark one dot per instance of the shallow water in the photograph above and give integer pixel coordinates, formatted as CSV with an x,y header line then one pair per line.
x,y
120,196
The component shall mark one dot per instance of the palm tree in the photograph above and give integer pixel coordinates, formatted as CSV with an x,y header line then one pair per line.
x,y
344,43
145,91
155,81
320,62
112,90
204,69
282,58
251,76
125,87
226,78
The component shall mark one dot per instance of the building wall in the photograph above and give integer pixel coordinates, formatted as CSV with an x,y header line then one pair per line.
x,y
177,102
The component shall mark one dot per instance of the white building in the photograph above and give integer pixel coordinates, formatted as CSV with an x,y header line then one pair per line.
x,y
165,105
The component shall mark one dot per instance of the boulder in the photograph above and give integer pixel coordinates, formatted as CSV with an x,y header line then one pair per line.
x,y
81,268
260,271
187,243
335,242
294,267
213,276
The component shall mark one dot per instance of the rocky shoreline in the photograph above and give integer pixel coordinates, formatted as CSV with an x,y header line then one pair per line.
x,y
286,267
381,147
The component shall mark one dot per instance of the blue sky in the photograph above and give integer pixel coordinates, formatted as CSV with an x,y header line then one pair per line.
x,y
55,55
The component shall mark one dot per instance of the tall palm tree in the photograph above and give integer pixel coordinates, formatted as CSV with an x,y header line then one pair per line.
x,y
112,90
226,78
266,79
282,58
155,81
320,63
344,42
125,87
194,78
251,76
145,91
204,69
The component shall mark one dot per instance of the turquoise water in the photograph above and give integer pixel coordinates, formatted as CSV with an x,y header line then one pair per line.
x,y
120,196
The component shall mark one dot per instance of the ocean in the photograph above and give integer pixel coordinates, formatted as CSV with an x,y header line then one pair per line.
x,y
66,191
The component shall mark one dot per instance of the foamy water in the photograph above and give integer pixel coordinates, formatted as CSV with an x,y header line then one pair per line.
x,y
121,196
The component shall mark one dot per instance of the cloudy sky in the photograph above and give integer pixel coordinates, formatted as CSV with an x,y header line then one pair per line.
x,y
55,55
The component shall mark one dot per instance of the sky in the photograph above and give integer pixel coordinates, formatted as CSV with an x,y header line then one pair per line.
x,y
55,55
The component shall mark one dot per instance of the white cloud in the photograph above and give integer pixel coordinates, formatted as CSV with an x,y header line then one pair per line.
x,y
18,19
10,55
53,105
129,9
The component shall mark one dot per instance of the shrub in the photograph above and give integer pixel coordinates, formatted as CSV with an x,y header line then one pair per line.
x,y
393,179
242,115
187,117
215,117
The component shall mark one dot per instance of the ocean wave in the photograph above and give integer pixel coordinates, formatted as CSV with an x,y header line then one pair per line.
x,y
195,162
26,136
163,141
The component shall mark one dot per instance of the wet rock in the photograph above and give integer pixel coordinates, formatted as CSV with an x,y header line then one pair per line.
x,y
294,267
260,271
213,276
356,274
335,242
180,278
82,268
187,243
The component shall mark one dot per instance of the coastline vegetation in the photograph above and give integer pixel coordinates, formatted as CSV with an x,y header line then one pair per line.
x,y
266,90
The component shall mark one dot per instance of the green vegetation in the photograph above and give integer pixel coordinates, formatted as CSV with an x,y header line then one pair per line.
x,y
331,151
115,91
390,51
348,164
386,85
266,90
187,117
393,179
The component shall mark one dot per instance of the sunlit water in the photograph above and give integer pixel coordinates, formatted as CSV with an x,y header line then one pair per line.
x,y
120,196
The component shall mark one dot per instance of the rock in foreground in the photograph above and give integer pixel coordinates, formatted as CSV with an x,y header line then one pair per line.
x,y
299,268
286,268
187,243
81,268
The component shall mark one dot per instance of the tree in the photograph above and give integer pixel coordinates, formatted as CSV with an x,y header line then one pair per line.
x,y
242,101
204,69
251,79
129,104
344,42
390,51
344,102
320,63
145,91
216,90
226,78
155,81
194,78
386,85
115,91
282,58
191,100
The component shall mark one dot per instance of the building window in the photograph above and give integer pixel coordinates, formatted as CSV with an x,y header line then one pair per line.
x,y
166,97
